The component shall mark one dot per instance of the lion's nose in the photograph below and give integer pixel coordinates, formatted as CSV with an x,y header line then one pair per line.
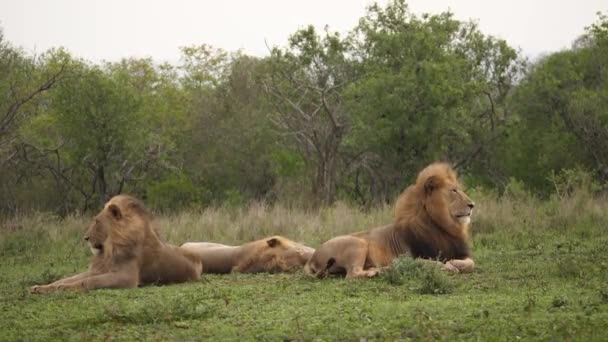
x,y
471,205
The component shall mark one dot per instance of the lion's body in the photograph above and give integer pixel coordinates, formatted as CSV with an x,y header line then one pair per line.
x,y
273,254
218,258
128,252
431,222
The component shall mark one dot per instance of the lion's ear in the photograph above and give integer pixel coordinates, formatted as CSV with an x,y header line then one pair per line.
x,y
431,184
115,211
273,242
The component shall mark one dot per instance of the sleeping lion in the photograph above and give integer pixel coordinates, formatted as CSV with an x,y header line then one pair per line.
x,y
431,222
272,254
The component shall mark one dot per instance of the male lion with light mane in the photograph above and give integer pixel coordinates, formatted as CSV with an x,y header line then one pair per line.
x,y
431,222
272,254
128,253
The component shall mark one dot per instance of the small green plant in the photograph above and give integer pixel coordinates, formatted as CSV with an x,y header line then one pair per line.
x,y
516,189
559,301
568,181
530,302
567,267
422,276
603,295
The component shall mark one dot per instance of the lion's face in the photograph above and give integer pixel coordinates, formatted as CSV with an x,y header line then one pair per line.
x,y
98,233
118,224
291,253
447,202
460,204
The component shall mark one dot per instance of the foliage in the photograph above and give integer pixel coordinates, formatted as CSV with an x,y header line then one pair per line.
x,y
174,192
423,277
304,83
540,274
562,103
432,88
324,118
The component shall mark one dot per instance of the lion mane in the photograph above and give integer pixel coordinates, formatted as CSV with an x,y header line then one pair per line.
x,y
271,254
127,252
431,221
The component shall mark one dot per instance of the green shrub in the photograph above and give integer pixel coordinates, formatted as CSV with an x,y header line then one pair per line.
x,y
174,192
577,180
422,276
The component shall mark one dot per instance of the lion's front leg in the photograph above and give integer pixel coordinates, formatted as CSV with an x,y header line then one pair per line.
x,y
125,278
54,286
111,280
358,272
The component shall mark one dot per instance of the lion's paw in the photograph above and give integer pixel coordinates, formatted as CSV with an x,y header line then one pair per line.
x,y
463,266
41,289
372,273
448,266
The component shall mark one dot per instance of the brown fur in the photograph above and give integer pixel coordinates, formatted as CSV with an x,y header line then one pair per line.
x,y
431,222
272,254
128,252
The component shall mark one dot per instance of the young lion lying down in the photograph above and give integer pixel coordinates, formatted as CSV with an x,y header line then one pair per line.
x,y
273,254
128,253
431,222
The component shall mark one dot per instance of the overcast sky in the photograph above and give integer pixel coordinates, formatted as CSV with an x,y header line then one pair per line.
x,y
112,29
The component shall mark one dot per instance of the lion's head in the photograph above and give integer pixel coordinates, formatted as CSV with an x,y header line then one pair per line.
x,y
444,198
291,254
122,224
438,194
273,254
436,213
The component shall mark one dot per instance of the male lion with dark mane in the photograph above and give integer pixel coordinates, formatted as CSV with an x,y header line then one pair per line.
x,y
431,222
272,254
128,252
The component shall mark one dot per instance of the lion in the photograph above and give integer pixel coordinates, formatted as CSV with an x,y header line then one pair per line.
x,y
128,253
272,254
431,222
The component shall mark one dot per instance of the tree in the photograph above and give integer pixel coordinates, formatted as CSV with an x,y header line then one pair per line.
x,y
562,103
92,138
305,82
25,83
230,143
22,80
432,88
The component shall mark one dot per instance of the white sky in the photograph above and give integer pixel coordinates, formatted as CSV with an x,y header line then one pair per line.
x,y
112,29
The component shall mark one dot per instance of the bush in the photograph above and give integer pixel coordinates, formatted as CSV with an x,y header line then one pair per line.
x,y
175,192
569,181
420,275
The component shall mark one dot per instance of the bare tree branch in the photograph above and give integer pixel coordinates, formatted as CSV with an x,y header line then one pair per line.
x,y
13,110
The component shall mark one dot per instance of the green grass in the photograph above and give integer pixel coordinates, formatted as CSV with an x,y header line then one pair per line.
x,y
542,274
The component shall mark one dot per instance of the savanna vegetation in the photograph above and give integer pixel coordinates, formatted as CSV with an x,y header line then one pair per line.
x,y
314,140
327,117
541,274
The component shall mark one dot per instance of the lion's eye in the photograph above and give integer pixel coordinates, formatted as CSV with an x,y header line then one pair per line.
x,y
454,190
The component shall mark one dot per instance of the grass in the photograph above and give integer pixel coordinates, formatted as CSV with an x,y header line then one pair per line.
x,y
542,274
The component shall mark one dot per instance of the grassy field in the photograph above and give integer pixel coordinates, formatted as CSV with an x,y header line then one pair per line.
x,y
542,274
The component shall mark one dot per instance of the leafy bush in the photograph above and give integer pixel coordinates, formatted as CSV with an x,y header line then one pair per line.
x,y
568,181
174,192
422,276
